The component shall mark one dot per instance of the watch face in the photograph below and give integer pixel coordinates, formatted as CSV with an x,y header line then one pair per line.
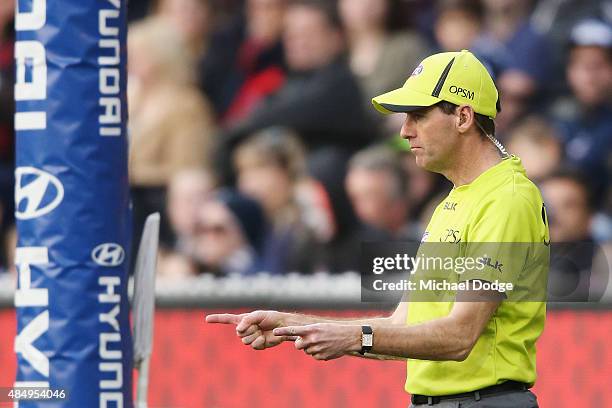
x,y
366,340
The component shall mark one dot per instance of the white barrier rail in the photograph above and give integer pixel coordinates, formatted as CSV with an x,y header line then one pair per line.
x,y
317,291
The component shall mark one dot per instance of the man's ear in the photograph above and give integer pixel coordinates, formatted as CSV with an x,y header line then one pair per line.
x,y
465,118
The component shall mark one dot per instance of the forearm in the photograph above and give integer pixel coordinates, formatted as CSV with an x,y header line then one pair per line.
x,y
296,319
438,339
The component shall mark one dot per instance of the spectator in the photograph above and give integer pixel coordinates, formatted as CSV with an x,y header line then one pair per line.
x,y
585,121
569,205
538,146
7,111
569,214
230,234
192,20
507,21
170,123
460,25
318,100
526,77
245,61
555,20
517,93
333,215
317,209
378,188
187,192
378,57
270,165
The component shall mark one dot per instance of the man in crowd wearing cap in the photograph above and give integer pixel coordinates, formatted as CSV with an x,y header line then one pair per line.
x,y
477,353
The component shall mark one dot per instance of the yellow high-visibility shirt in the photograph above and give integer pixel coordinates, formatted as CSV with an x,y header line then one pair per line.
x,y
500,206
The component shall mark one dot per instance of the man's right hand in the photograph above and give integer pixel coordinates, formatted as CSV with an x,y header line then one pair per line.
x,y
255,328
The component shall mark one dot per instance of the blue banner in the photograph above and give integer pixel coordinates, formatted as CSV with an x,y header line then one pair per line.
x,y
71,198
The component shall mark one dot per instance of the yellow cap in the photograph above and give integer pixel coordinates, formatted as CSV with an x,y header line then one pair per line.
x,y
456,77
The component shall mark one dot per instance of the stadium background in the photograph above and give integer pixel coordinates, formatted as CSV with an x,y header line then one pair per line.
x,y
237,73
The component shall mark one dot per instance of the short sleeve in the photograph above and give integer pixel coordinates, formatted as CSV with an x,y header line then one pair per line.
x,y
506,241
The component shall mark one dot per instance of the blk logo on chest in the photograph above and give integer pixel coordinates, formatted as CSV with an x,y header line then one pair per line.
x,y
487,261
450,206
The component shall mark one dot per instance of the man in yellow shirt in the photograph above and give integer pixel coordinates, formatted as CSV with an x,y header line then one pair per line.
x,y
478,349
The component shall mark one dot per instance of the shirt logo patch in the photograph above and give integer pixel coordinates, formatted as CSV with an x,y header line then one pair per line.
x,y
452,236
488,261
450,206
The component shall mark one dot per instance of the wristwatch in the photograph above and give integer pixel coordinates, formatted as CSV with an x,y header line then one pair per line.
x,y
367,339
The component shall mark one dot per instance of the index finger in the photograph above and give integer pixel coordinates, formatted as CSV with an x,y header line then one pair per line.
x,y
250,319
223,318
291,331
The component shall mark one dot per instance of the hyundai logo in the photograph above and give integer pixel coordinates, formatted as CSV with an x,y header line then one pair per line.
x,y
108,254
36,193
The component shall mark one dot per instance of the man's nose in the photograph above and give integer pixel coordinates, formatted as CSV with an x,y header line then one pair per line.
x,y
408,130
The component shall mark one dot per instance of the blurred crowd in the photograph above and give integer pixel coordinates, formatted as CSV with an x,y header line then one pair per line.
x,y
252,131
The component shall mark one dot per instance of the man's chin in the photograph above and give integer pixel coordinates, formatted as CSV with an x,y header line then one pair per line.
x,y
424,163
420,160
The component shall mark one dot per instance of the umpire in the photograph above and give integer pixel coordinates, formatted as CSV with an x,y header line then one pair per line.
x,y
476,353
